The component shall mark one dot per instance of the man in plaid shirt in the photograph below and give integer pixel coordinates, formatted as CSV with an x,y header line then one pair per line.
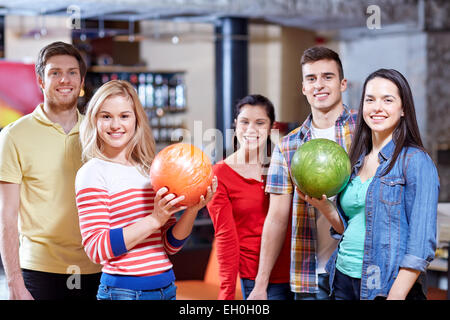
x,y
311,242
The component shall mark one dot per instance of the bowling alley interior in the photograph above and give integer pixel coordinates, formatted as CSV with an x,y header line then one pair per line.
x,y
191,61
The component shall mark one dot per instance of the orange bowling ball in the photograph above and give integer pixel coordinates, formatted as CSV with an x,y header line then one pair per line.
x,y
184,169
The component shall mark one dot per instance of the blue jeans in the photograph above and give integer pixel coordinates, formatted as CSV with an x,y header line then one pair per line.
x,y
345,287
348,288
111,293
324,290
275,291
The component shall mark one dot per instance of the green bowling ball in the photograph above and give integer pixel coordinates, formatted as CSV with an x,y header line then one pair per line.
x,y
320,166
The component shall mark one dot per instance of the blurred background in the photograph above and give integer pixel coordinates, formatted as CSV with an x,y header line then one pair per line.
x,y
191,60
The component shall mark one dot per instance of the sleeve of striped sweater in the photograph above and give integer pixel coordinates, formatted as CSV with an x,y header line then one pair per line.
x,y
99,240
171,244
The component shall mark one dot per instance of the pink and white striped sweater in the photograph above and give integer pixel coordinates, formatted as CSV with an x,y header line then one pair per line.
x,y
109,197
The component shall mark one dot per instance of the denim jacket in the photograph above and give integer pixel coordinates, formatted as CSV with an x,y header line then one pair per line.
x,y
401,213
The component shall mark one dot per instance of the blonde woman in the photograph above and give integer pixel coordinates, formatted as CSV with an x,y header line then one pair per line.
x,y
125,225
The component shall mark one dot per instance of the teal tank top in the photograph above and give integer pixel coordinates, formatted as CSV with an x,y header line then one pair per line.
x,y
351,249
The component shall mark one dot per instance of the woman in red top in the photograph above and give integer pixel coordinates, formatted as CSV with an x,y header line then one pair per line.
x,y
239,206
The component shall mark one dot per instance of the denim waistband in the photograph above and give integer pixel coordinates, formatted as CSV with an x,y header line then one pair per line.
x,y
158,281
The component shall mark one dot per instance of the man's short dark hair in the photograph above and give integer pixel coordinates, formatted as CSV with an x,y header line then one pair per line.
x,y
58,48
314,54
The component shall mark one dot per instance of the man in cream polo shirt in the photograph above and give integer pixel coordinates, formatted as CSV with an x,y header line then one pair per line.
x,y
40,153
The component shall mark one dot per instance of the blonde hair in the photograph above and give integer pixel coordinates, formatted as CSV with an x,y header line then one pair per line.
x,y
141,148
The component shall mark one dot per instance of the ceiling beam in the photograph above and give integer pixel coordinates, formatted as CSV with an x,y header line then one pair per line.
x,y
310,14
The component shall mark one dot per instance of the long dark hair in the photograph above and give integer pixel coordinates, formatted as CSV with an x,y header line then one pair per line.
x,y
406,134
257,100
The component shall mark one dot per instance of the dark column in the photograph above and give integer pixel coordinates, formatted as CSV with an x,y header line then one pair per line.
x,y
231,70
2,36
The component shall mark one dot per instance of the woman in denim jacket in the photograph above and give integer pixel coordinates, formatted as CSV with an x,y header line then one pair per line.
x,y
387,213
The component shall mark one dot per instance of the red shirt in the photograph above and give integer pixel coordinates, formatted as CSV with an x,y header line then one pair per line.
x,y
238,210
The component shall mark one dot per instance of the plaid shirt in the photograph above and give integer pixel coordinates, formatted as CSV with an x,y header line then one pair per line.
x,y
303,276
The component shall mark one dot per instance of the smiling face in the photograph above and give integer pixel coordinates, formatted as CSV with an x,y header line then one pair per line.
x,y
62,82
116,125
252,127
382,108
321,84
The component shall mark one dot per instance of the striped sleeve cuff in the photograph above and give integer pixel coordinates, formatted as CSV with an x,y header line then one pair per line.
x,y
117,242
